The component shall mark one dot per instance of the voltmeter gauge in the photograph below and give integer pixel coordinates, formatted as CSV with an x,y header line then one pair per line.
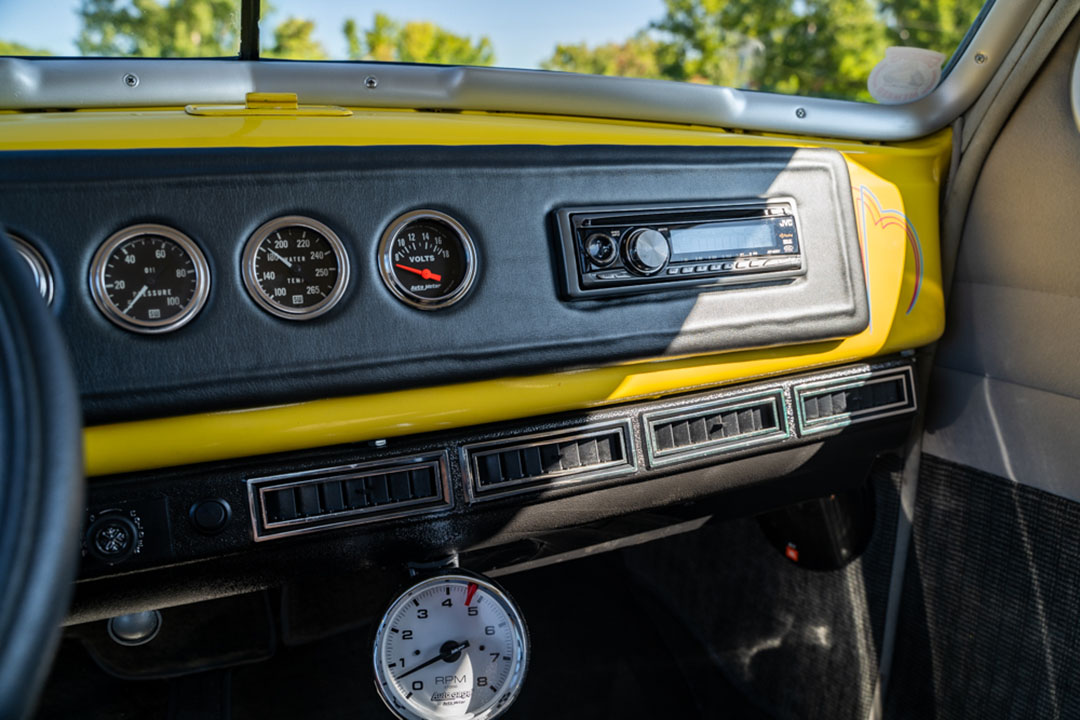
x,y
427,259
451,646
295,267
149,279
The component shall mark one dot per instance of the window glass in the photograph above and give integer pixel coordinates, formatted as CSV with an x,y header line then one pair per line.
x,y
823,48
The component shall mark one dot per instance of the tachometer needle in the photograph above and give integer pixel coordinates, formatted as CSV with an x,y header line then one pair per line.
x,y
137,298
425,273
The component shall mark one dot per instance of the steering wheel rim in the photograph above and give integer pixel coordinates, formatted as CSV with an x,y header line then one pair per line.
x,y
41,485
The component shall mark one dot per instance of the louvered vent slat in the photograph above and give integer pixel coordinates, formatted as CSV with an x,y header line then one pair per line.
x,y
517,464
332,497
715,427
846,401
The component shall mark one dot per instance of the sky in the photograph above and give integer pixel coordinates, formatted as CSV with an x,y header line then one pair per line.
x,y
523,33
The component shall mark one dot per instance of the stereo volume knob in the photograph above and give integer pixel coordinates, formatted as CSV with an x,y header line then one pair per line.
x,y
646,251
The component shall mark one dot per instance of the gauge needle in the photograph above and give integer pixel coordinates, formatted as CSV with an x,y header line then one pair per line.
x,y
448,651
137,298
287,263
425,273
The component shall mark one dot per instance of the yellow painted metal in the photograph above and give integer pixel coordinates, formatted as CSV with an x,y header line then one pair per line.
x,y
895,189
268,104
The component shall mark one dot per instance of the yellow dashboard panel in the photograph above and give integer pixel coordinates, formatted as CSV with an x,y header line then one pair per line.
x,y
895,190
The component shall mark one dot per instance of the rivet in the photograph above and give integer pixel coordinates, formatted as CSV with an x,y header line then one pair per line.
x,y
131,80
980,58
800,113
371,82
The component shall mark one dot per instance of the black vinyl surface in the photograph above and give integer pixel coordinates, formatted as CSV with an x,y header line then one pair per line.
x,y
990,618
234,354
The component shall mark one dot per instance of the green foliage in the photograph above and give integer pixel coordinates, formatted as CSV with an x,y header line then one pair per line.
x,y
637,57
293,41
420,42
936,24
808,47
159,28
8,47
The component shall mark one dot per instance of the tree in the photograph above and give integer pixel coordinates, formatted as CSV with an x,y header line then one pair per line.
x,y
640,57
415,41
159,28
8,47
293,41
935,24
811,47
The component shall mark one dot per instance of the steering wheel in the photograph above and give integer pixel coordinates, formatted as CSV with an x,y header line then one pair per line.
x,y
41,485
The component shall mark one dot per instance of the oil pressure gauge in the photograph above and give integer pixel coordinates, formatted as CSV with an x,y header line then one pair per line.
x,y
452,646
295,267
427,259
149,279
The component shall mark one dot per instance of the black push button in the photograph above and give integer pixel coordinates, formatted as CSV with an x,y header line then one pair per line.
x,y
489,469
333,496
281,505
511,461
210,516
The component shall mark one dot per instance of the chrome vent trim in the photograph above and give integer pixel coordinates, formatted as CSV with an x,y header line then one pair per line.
x,y
770,402
621,459
873,394
346,495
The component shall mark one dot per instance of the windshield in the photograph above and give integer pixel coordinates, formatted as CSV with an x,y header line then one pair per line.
x,y
821,48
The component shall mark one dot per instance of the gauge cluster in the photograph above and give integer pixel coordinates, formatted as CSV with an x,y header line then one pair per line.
x,y
151,278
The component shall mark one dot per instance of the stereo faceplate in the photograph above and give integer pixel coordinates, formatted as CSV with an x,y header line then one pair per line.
x,y
621,249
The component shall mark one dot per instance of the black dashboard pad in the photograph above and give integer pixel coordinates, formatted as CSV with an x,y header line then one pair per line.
x,y
515,319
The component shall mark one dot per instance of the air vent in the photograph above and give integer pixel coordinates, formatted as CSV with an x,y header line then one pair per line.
x,y
521,464
335,497
832,404
715,427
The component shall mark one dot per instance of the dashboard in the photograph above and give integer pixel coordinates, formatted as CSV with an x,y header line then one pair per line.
x,y
296,357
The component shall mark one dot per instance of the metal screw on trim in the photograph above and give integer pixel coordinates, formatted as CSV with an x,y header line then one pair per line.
x,y
371,82
131,80
800,113
980,58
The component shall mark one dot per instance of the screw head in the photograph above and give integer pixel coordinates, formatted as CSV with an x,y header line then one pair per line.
x,y
980,58
371,82
131,80
800,113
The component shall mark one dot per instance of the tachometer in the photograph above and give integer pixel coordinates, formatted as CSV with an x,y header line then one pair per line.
x,y
149,279
452,646
295,267
427,259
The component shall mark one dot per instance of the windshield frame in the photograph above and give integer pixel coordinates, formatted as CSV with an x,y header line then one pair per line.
x,y
41,83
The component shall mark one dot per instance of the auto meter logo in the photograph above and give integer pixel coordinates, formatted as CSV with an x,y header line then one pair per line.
x,y
905,74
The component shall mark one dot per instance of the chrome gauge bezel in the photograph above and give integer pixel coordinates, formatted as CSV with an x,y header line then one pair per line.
x,y
265,301
39,267
386,260
514,682
151,327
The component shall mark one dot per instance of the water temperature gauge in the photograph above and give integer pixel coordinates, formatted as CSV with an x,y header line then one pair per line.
x,y
452,646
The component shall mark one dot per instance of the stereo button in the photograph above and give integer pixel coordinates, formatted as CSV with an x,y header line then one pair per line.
x,y
601,249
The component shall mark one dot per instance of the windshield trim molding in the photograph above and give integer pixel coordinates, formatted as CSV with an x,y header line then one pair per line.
x,y
75,83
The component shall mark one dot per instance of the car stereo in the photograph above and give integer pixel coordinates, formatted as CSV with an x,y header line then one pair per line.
x,y
616,250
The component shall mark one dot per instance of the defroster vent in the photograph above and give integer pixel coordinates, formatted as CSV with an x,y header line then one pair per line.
x,y
524,463
715,427
304,502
